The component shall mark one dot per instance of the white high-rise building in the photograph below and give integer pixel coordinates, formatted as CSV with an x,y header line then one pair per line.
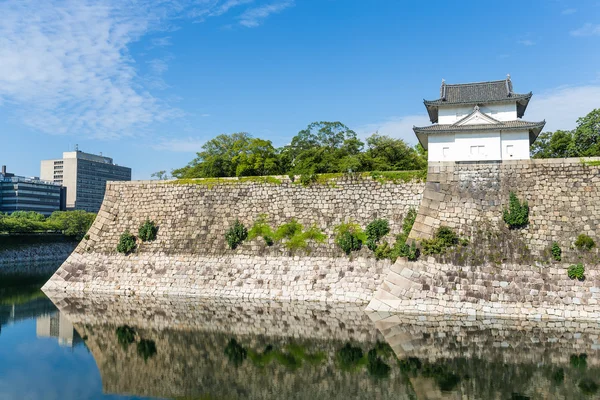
x,y
85,176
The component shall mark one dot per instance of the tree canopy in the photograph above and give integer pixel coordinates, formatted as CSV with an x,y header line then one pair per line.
x,y
583,141
322,147
70,223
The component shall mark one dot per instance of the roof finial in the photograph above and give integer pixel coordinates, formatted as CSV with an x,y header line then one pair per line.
x,y
443,89
476,108
508,77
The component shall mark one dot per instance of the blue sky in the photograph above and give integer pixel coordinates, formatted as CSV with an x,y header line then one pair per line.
x,y
147,82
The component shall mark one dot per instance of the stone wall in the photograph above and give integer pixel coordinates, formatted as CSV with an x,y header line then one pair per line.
x,y
190,255
563,197
503,272
35,259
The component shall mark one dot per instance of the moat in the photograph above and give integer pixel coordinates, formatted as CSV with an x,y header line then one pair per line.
x,y
100,347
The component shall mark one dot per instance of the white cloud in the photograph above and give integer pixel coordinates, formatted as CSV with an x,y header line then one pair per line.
x,y
161,41
253,17
561,107
569,11
65,65
180,145
396,127
587,30
223,8
526,42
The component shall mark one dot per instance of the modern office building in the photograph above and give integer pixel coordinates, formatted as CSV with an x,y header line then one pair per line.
x,y
19,193
85,176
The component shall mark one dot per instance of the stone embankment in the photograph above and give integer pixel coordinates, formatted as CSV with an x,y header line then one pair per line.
x,y
506,273
190,254
35,259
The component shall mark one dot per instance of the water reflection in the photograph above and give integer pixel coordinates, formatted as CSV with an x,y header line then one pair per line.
x,y
270,350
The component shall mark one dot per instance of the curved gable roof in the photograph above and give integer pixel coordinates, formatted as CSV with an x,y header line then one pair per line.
x,y
477,93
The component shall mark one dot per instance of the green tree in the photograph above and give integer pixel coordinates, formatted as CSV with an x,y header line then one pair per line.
x,y
586,137
216,157
160,175
323,147
557,144
72,223
389,154
257,157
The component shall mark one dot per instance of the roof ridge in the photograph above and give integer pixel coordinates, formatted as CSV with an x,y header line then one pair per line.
x,y
475,83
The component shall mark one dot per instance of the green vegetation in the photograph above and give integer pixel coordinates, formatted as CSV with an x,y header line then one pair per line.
x,y
349,358
236,234
70,223
349,236
409,221
517,214
291,233
146,349
288,230
576,271
443,239
235,353
261,228
376,367
376,230
578,361
556,251
321,148
147,231
583,141
398,176
127,243
125,336
584,242
588,386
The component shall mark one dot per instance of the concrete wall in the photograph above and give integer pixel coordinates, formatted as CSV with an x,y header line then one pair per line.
x,y
190,255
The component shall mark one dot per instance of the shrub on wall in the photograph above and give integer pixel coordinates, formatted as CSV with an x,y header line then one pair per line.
x,y
375,231
125,335
147,231
556,251
350,237
261,228
126,243
576,271
409,221
236,234
584,242
443,239
517,214
288,230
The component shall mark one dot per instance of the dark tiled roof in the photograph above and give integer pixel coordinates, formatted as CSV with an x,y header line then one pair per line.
x,y
477,93
534,129
517,124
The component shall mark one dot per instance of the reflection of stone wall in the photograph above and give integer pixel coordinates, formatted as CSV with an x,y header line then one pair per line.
x,y
437,358
499,340
190,255
191,337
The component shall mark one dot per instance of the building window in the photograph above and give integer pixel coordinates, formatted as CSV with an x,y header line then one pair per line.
x,y
446,152
477,150
510,150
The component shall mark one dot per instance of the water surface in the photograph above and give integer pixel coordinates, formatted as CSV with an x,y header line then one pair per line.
x,y
127,347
